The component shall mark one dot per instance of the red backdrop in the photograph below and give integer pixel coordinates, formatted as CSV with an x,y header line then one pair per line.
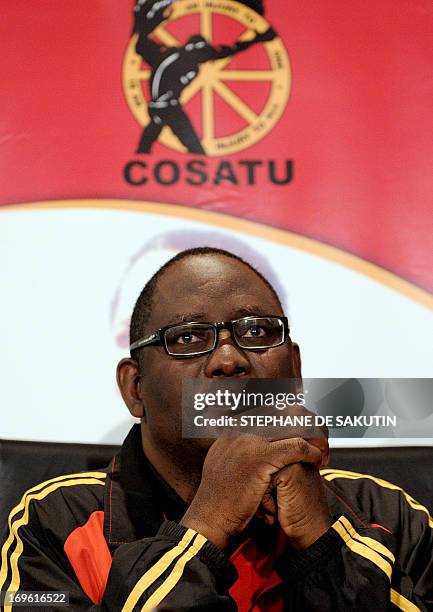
x,y
357,126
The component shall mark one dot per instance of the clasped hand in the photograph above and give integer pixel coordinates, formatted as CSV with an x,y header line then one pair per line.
x,y
248,475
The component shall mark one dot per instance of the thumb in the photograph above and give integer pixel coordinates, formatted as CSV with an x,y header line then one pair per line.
x,y
268,507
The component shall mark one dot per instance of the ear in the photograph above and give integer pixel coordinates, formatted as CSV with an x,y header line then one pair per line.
x,y
296,360
128,380
296,367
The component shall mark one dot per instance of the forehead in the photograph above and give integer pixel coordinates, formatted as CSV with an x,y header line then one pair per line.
x,y
210,287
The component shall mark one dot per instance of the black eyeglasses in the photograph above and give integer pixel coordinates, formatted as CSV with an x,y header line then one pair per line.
x,y
194,338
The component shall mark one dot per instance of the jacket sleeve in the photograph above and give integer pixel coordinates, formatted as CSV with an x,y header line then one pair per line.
x,y
363,568
178,569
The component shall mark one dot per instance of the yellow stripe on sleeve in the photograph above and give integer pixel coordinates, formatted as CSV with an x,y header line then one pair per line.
x,y
176,574
371,542
21,506
401,602
362,549
330,474
396,598
157,570
14,558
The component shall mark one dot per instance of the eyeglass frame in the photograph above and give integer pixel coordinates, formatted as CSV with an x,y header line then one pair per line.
x,y
158,337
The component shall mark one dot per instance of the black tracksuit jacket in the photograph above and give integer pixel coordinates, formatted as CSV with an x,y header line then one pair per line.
x,y
111,539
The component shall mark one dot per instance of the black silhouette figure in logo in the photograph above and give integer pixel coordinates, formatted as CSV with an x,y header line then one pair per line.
x,y
173,69
256,5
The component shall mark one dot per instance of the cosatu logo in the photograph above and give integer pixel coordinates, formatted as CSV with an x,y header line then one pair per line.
x,y
195,93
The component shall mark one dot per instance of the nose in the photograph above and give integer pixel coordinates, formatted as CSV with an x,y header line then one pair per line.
x,y
227,359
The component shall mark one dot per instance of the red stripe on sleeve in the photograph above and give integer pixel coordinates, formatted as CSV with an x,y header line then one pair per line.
x,y
377,526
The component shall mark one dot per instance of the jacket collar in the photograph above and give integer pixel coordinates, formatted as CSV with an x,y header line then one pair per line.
x,y
136,498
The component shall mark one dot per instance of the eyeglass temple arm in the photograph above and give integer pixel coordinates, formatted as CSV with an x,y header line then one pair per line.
x,y
145,341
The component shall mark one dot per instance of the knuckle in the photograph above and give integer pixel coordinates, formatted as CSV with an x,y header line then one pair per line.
x,y
283,476
301,445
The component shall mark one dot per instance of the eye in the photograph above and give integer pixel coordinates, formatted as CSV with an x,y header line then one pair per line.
x,y
188,338
255,331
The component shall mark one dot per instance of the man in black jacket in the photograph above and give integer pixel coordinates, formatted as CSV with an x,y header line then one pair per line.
x,y
239,523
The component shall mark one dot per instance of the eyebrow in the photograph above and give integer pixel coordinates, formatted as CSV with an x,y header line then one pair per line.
x,y
187,316
248,311
245,311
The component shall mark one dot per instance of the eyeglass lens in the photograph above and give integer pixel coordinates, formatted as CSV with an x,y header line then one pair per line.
x,y
260,332
250,333
192,338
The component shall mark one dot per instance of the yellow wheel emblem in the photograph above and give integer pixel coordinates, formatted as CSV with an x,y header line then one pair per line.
x,y
214,79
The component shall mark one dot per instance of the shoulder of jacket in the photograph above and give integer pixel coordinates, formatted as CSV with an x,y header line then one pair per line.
x,y
356,480
74,495
366,485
